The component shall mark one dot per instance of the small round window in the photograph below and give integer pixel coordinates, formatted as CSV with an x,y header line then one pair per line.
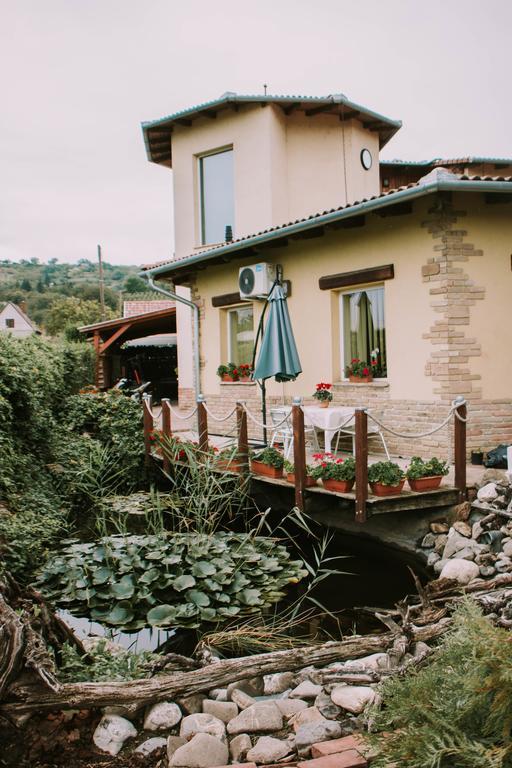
x,y
366,159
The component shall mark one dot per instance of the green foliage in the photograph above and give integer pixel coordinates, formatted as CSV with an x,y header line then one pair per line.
x,y
270,456
330,468
386,473
134,284
431,468
180,580
456,712
101,663
66,314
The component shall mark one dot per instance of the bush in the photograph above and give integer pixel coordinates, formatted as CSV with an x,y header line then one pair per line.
x,y
330,468
431,468
386,473
270,456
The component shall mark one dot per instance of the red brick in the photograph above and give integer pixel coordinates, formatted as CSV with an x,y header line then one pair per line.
x,y
348,759
324,748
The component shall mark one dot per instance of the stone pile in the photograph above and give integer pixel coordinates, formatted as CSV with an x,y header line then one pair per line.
x,y
307,718
479,543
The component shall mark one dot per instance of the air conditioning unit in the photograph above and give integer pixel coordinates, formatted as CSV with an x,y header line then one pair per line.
x,y
256,280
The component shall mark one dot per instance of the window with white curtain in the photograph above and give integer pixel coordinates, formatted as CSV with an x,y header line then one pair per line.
x,y
241,334
363,328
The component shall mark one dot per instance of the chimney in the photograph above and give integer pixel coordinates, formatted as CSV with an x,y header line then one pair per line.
x,y
23,306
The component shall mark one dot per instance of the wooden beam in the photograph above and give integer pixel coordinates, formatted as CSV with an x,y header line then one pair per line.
x,y
361,456
166,430
106,344
371,124
397,209
243,439
299,454
226,299
349,114
459,439
497,198
202,426
309,234
350,223
357,277
159,132
184,121
318,110
291,107
147,415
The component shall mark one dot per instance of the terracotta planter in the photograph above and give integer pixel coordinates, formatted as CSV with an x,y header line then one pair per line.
x,y
338,486
425,483
244,378
323,403
386,490
265,469
226,465
227,377
310,481
360,379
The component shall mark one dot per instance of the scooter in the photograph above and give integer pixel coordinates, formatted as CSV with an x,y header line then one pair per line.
x,y
133,392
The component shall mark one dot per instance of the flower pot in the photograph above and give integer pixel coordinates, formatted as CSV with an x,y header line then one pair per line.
x,y
310,481
323,403
227,377
425,483
360,379
338,486
477,458
245,378
265,469
378,489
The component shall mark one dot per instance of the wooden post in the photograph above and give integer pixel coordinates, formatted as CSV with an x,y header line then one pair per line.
x,y
361,464
147,406
459,440
299,452
243,439
166,430
202,424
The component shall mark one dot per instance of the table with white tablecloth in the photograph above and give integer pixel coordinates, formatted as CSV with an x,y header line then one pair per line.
x,y
329,420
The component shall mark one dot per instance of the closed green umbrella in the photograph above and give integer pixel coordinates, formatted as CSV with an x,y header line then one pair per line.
x,y
278,355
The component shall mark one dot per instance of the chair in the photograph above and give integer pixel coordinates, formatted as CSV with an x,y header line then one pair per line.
x,y
284,431
372,430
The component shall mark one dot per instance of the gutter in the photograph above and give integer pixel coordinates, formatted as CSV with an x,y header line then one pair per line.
x,y
457,185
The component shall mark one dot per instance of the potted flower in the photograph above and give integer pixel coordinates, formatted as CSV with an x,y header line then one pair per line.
x,y
426,475
337,475
323,394
359,372
268,462
245,372
227,372
386,478
228,459
290,474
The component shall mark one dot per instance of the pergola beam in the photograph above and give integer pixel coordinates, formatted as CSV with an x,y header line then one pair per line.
x,y
106,344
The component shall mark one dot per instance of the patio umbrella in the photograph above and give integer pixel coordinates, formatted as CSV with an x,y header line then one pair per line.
x,y
278,355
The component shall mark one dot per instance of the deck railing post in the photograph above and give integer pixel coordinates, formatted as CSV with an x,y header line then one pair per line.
x,y
243,439
166,430
147,420
459,441
202,424
361,451
299,452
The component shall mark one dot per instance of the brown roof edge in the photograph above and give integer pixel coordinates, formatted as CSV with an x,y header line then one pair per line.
x,y
133,320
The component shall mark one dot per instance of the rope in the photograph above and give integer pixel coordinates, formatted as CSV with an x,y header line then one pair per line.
x,y
182,416
458,416
262,424
219,418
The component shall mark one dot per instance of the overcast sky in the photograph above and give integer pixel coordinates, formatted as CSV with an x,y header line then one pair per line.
x,y
77,77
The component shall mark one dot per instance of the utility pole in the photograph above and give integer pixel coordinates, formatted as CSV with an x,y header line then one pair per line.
x,y
102,284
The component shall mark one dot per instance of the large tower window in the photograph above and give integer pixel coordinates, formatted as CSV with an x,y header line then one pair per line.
x,y
216,196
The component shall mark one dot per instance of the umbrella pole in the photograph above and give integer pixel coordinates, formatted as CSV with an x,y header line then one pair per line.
x,y
264,409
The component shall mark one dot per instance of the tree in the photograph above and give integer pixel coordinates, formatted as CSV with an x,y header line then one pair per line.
x,y
134,284
40,286
25,285
65,315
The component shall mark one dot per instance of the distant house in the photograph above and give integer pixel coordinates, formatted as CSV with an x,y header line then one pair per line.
x,y
409,261
14,321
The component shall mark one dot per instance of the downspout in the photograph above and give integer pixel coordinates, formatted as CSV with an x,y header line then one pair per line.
x,y
195,310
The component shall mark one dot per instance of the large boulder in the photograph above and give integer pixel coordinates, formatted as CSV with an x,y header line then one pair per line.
x,y
487,493
111,733
353,698
306,690
277,683
257,718
202,723
202,751
162,716
223,710
463,571
239,746
150,745
268,750
289,707
312,733
309,715
326,706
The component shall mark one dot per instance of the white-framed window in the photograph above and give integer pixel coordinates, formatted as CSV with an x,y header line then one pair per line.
x,y
9,322
363,328
240,334
216,196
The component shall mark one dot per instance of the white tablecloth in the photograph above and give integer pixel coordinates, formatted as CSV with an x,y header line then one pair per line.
x,y
328,419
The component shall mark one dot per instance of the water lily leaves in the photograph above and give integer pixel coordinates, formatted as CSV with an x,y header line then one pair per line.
x,y
183,582
161,615
123,589
208,614
198,598
203,568
120,615
101,575
250,597
149,576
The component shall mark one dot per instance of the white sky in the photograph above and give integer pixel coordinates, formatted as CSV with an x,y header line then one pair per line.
x,y
77,77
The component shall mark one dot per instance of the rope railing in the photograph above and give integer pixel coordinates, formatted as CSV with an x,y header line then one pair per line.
x,y
263,424
417,435
183,416
219,418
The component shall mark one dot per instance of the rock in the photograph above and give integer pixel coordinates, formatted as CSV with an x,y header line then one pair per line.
x,y
307,673
111,733
242,699
503,566
439,527
454,542
191,705
463,528
433,558
477,530
306,690
257,718
202,723
463,511
309,715
312,733
441,543
438,567
162,716
463,571
428,541
278,683
487,493
150,745
486,571
202,751
173,742
239,746
507,548
466,554
420,648
128,711
268,750
376,661
354,698
254,686
219,694
289,707
493,476
224,710
326,706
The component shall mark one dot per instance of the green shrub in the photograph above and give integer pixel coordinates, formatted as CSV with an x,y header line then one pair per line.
x,y
330,468
101,664
431,468
386,473
270,456
456,712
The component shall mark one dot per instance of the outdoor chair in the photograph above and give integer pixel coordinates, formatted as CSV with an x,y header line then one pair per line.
x,y
284,432
373,430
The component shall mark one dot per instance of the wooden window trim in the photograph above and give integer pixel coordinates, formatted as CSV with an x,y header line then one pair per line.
x,y
227,299
357,277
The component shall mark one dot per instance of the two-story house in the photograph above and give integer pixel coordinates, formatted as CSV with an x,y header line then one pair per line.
x,y
410,259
